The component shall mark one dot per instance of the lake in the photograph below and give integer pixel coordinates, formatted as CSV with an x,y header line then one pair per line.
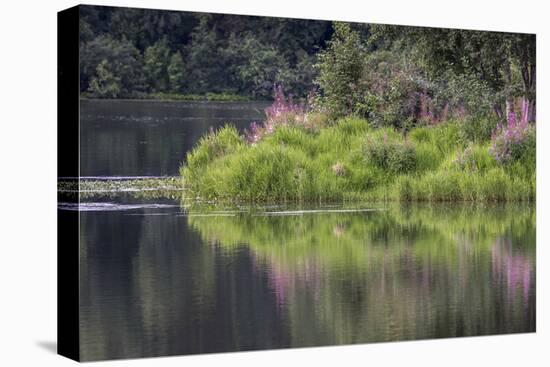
x,y
161,279
150,138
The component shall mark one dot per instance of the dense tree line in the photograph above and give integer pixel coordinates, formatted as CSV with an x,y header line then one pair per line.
x,y
128,52
402,76
392,75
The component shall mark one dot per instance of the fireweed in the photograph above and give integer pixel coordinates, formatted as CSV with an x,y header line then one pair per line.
x,y
513,141
284,112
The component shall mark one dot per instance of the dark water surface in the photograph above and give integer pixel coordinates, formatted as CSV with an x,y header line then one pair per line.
x,y
150,138
158,279
165,281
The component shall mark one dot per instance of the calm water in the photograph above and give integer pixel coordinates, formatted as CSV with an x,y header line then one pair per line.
x,y
157,279
150,138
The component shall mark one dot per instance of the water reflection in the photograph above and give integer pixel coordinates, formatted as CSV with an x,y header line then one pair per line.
x,y
150,138
173,284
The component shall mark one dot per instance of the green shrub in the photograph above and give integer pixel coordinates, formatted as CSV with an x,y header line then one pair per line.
x,y
392,89
363,178
440,186
391,155
292,136
353,126
340,68
404,188
525,150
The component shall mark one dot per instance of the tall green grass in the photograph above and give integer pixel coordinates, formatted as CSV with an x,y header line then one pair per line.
x,y
351,161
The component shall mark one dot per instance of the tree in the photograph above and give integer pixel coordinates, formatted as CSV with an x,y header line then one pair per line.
x,y
123,60
135,44
105,84
257,67
175,72
204,71
493,58
340,69
155,64
524,52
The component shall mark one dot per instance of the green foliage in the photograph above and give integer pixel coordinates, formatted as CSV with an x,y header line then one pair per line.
x,y
340,69
475,158
477,130
121,67
514,144
409,76
466,94
212,146
350,160
105,84
220,53
155,63
493,185
525,151
391,90
175,72
391,154
444,137
479,69
258,66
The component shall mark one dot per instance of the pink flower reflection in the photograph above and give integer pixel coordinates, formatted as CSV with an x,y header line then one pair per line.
x,y
511,268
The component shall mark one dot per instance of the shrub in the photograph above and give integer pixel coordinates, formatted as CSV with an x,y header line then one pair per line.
x,y
515,142
465,94
441,186
258,174
404,188
364,178
391,91
391,155
340,68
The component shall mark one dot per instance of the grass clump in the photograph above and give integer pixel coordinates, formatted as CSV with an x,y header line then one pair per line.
x,y
390,154
210,147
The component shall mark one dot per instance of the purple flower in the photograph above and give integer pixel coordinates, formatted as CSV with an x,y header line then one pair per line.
x,y
282,112
506,139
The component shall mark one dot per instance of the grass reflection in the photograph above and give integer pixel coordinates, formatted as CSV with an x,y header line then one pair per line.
x,y
401,273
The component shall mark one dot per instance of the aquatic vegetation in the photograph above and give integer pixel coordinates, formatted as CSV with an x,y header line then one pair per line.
x,y
145,188
351,161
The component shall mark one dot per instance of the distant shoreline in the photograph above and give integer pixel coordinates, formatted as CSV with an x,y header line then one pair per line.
x,y
166,97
